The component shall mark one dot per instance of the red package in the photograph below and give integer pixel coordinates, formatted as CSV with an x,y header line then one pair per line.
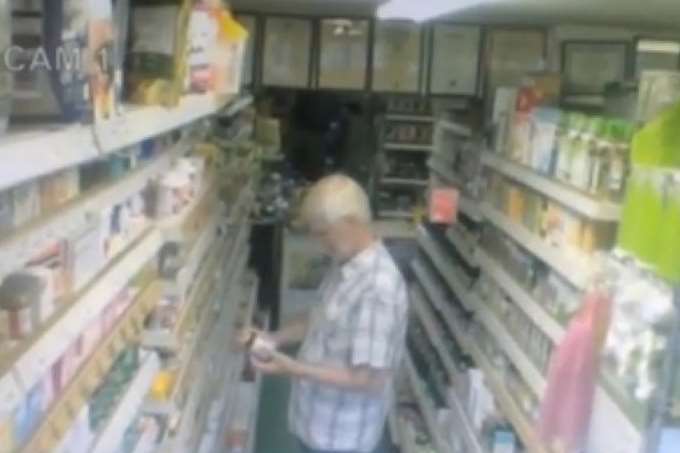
x,y
443,206
572,376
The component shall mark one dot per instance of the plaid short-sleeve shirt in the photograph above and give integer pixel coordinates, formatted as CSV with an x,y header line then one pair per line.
x,y
360,322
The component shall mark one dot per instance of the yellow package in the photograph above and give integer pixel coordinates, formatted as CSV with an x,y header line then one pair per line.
x,y
230,53
158,59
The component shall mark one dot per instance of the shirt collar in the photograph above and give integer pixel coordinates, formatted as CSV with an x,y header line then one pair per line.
x,y
360,261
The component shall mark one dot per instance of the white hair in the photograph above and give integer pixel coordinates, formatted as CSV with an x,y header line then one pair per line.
x,y
334,198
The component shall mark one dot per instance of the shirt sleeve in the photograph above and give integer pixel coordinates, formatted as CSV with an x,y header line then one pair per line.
x,y
375,335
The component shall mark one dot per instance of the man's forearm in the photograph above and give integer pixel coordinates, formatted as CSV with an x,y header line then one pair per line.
x,y
357,379
292,333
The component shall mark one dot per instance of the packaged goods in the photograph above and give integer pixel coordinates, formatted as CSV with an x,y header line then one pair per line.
x,y
121,28
86,254
6,79
25,203
6,212
230,53
202,42
58,189
25,300
545,124
64,70
157,64
503,112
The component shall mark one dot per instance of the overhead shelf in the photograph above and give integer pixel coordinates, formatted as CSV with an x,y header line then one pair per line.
x,y
405,181
570,197
529,305
111,436
391,214
575,269
454,128
64,409
446,271
406,147
411,118
33,358
44,149
30,240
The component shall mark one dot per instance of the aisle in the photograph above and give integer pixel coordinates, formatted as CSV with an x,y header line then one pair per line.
x,y
272,425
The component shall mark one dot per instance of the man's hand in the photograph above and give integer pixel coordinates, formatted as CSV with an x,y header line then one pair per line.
x,y
246,336
278,364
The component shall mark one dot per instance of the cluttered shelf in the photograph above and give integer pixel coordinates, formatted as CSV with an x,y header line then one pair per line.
x,y
572,197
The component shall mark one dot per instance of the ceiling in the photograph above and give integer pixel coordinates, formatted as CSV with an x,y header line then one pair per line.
x,y
639,13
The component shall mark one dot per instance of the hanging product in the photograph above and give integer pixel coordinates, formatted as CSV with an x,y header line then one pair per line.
x,y
5,72
63,60
157,63
572,377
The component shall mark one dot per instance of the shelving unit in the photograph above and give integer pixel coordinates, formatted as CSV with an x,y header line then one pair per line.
x,y
42,150
570,197
574,268
400,174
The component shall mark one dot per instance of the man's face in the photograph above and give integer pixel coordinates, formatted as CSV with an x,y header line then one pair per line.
x,y
336,239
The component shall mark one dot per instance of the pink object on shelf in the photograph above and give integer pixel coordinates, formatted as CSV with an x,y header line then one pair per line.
x,y
567,405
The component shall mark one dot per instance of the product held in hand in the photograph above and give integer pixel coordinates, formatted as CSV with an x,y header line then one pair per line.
x,y
260,348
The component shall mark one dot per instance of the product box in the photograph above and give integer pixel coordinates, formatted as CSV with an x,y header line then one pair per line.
x,y
58,189
544,127
658,91
598,236
80,33
443,205
516,203
6,212
25,203
505,104
542,88
86,256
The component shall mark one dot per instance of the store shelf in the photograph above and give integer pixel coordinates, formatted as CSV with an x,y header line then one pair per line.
x,y
65,408
391,214
44,149
446,271
427,318
426,407
440,168
454,128
570,197
237,105
411,118
466,248
32,239
465,425
575,269
508,406
406,147
199,285
110,437
496,329
185,225
530,306
470,208
405,182
32,359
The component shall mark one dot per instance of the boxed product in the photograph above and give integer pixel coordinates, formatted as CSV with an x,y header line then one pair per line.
x,y
58,189
54,259
5,74
505,103
544,127
6,212
201,42
86,255
25,203
230,53
73,77
28,414
158,59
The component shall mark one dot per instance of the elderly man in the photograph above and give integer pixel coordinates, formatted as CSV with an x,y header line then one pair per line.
x,y
354,340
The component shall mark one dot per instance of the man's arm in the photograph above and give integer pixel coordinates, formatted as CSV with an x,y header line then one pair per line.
x,y
293,332
361,379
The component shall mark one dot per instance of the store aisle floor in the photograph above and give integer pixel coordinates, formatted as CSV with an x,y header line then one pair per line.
x,y
272,434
